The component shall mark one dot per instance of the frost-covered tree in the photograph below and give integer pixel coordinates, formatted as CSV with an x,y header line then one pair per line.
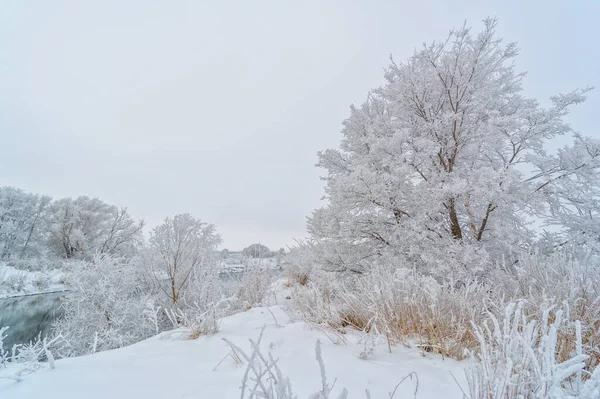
x,y
257,251
180,247
445,165
21,216
84,226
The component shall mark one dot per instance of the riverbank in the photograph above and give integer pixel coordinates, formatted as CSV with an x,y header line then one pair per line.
x,y
16,281
170,365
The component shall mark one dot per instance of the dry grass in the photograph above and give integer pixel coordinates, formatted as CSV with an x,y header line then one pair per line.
x,y
403,305
196,333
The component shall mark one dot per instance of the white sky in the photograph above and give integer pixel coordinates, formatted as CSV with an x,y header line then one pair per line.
x,y
217,108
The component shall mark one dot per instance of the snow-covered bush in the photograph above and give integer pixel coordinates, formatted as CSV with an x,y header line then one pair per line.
x,y
316,300
37,352
519,358
31,356
107,307
253,286
300,262
199,319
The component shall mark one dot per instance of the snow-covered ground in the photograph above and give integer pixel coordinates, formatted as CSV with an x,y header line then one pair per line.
x,y
168,366
15,281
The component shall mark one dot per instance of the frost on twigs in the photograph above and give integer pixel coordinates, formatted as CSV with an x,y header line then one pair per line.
x,y
4,356
369,342
29,357
518,358
264,379
198,318
409,376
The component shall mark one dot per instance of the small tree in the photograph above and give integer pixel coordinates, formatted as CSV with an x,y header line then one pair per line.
x,y
180,246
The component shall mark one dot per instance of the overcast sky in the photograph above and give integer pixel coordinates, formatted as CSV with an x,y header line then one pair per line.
x,y
217,108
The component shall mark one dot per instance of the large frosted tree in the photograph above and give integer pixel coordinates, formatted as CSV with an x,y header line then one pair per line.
x,y
445,165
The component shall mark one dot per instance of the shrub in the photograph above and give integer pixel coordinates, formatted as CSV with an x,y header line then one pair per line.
x,y
107,307
398,304
300,263
402,304
253,286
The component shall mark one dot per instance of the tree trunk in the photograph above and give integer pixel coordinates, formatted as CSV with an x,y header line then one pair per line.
x,y
454,224
173,292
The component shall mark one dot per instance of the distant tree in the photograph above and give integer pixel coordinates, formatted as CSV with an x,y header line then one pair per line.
x,y
225,253
21,216
180,247
280,255
257,251
84,226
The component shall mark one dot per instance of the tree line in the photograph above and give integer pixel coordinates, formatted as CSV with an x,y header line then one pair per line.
x,y
33,225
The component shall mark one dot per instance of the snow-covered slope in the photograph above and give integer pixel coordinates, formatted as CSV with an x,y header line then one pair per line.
x,y
167,366
16,282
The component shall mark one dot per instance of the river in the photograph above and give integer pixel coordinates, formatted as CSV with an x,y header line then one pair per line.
x,y
28,316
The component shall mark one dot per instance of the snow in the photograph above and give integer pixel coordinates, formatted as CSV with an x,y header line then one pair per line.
x,y
167,365
17,282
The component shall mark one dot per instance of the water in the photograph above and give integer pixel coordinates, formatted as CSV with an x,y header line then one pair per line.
x,y
28,316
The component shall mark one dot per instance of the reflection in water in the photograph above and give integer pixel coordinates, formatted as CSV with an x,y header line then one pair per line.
x,y
28,316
